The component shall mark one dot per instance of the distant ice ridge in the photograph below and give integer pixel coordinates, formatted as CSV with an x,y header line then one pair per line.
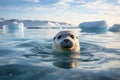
x,y
94,27
56,25
115,28
38,24
47,24
16,28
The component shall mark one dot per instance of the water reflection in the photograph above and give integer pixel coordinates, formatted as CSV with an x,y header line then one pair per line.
x,y
66,63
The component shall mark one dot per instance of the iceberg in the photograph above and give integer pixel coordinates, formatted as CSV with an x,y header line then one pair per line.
x,y
115,28
94,27
16,28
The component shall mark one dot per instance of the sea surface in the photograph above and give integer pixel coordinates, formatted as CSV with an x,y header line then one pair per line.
x,y
28,56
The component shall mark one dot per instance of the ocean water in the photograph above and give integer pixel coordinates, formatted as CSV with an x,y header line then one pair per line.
x,y
29,57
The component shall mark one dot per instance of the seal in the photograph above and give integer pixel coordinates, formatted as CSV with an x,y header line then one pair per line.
x,y
66,43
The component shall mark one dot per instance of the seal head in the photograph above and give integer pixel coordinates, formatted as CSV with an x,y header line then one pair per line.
x,y
66,42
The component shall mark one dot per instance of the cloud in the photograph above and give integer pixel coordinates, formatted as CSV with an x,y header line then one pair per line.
x,y
118,1
63,3
35,1
67,3
87,7
103,7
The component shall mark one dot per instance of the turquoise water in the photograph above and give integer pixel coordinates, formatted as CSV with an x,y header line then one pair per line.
x,y
29,57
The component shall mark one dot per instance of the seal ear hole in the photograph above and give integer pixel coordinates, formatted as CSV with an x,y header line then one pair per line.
x,y
72,36
59,37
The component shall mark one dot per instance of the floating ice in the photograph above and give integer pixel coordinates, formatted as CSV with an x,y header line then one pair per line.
x,y
115,28
16,28
94,27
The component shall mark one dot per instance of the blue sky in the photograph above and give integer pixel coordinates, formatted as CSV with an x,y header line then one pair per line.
x,y
70,11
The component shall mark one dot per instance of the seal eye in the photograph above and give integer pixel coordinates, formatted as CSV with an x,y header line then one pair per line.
x,y
59,37
72,36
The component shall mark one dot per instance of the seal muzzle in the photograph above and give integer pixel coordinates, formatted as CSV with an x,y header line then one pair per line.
x,y
66,43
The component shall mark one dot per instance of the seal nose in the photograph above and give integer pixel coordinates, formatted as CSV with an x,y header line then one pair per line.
x,y
66,43
66,40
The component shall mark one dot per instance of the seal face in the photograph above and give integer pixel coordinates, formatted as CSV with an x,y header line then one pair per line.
x,y
66,41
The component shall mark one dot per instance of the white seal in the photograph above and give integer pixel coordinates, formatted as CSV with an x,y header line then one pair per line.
x,y
66,43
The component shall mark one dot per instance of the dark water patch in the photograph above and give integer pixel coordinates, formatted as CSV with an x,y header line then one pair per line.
x,y
30,72
90,52
28,43
23,72
11,42
110,50
6,51
39,57
42,48
90,48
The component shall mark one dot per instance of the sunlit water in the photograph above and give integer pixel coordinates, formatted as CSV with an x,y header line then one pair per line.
x,y
29,57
